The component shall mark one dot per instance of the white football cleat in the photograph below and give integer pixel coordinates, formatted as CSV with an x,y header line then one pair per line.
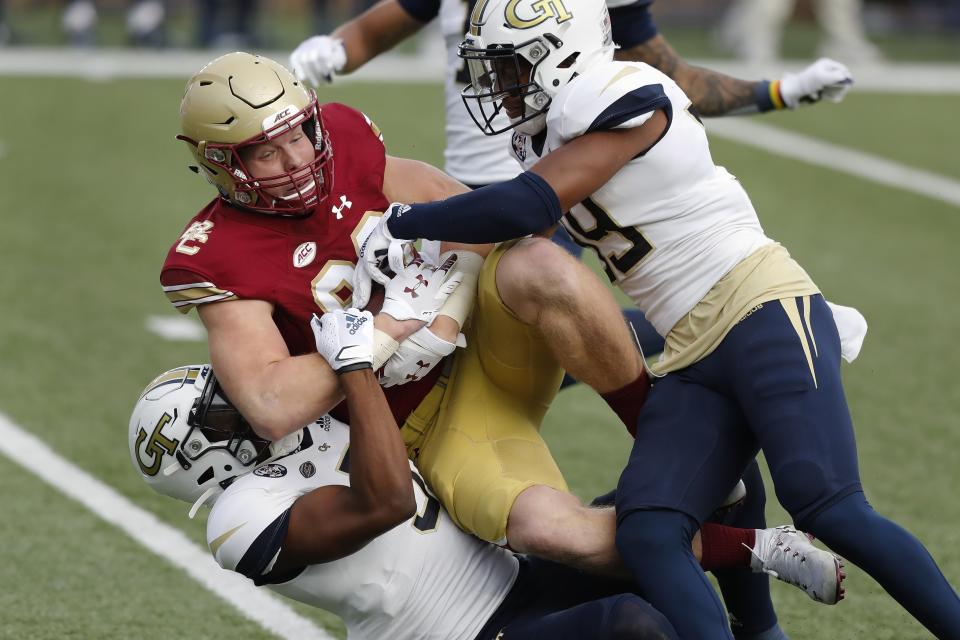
x,y
788,555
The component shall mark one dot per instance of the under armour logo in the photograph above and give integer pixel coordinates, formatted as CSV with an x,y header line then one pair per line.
x,y
338,210
323,447
413,376
413,290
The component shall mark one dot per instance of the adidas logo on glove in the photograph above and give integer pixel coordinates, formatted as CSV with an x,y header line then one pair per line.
x,y
354,323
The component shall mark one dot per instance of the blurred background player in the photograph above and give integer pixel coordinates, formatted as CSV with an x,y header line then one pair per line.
x,y
753,29
476,159
145,23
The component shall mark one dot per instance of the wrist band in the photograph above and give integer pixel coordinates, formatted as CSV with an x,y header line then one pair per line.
x,y
767,96
383,348
356,366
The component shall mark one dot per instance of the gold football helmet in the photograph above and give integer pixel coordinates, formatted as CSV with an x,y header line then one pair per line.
x,y
239,100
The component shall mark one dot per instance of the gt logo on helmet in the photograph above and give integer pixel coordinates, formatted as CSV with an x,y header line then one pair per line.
x,y
543,10
157,445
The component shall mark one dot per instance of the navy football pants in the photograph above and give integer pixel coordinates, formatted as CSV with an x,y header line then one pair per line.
x,y
773,383
549,601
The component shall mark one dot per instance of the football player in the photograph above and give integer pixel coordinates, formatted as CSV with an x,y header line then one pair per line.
x,y
338,518
752,356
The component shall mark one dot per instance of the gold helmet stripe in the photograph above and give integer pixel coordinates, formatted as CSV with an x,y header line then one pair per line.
x,y
476,18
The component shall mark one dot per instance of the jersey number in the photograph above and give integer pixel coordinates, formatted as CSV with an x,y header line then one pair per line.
x,y
428,517
616,264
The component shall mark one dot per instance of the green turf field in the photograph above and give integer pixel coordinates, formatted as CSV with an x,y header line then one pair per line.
x,y
94,189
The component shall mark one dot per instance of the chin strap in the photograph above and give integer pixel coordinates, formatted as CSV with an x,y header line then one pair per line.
x,y
206,495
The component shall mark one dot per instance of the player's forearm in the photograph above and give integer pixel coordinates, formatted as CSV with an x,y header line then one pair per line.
x,y
379,472
279,397
375,31
712,93
502,211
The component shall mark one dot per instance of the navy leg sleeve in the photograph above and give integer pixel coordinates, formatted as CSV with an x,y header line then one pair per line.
x,y
655,546
892,557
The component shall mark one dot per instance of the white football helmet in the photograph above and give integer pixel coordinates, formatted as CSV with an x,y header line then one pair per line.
x,y
529,49
187,440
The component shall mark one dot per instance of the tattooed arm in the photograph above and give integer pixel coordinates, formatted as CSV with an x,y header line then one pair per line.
x,y
712,93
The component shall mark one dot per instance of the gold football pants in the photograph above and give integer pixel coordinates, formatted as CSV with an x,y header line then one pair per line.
x,y
476,435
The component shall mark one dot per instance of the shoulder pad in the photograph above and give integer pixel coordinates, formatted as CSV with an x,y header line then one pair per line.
x,y
247,526
616,95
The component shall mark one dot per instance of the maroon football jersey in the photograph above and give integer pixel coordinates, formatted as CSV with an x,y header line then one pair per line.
x,y
300,265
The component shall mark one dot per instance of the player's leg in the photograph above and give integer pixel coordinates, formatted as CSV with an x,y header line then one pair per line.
x,y
545,288
691,447
480,447
647,337
553,602
791,389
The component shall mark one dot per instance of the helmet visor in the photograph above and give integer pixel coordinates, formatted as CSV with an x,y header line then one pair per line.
x,y
500,81
220,422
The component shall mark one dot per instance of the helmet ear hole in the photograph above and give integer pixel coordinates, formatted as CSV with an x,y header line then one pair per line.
x,y
569,61
205,476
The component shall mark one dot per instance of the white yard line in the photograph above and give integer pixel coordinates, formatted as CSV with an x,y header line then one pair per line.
x,y
167,542
176,328
843,159
425,66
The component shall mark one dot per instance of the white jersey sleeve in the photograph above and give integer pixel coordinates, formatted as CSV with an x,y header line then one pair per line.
x,y
422,579
622,100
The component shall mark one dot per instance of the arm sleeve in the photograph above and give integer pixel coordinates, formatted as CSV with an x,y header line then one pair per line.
x,y
502,211
632,23
422,10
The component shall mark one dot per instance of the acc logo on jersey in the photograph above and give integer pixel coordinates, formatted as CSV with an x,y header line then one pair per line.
x,y
270,471
520,146
196,232
304,254
307,469
542,10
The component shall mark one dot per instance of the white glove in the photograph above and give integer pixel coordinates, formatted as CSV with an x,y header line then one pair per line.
x,y
380,256
825,78
419,290
345,339
852,327
417,356
317,58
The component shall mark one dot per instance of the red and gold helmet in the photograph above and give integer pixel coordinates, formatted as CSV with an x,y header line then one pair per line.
x,y
239,100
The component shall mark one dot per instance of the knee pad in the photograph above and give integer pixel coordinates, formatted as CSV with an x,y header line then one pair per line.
x,y
632,618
